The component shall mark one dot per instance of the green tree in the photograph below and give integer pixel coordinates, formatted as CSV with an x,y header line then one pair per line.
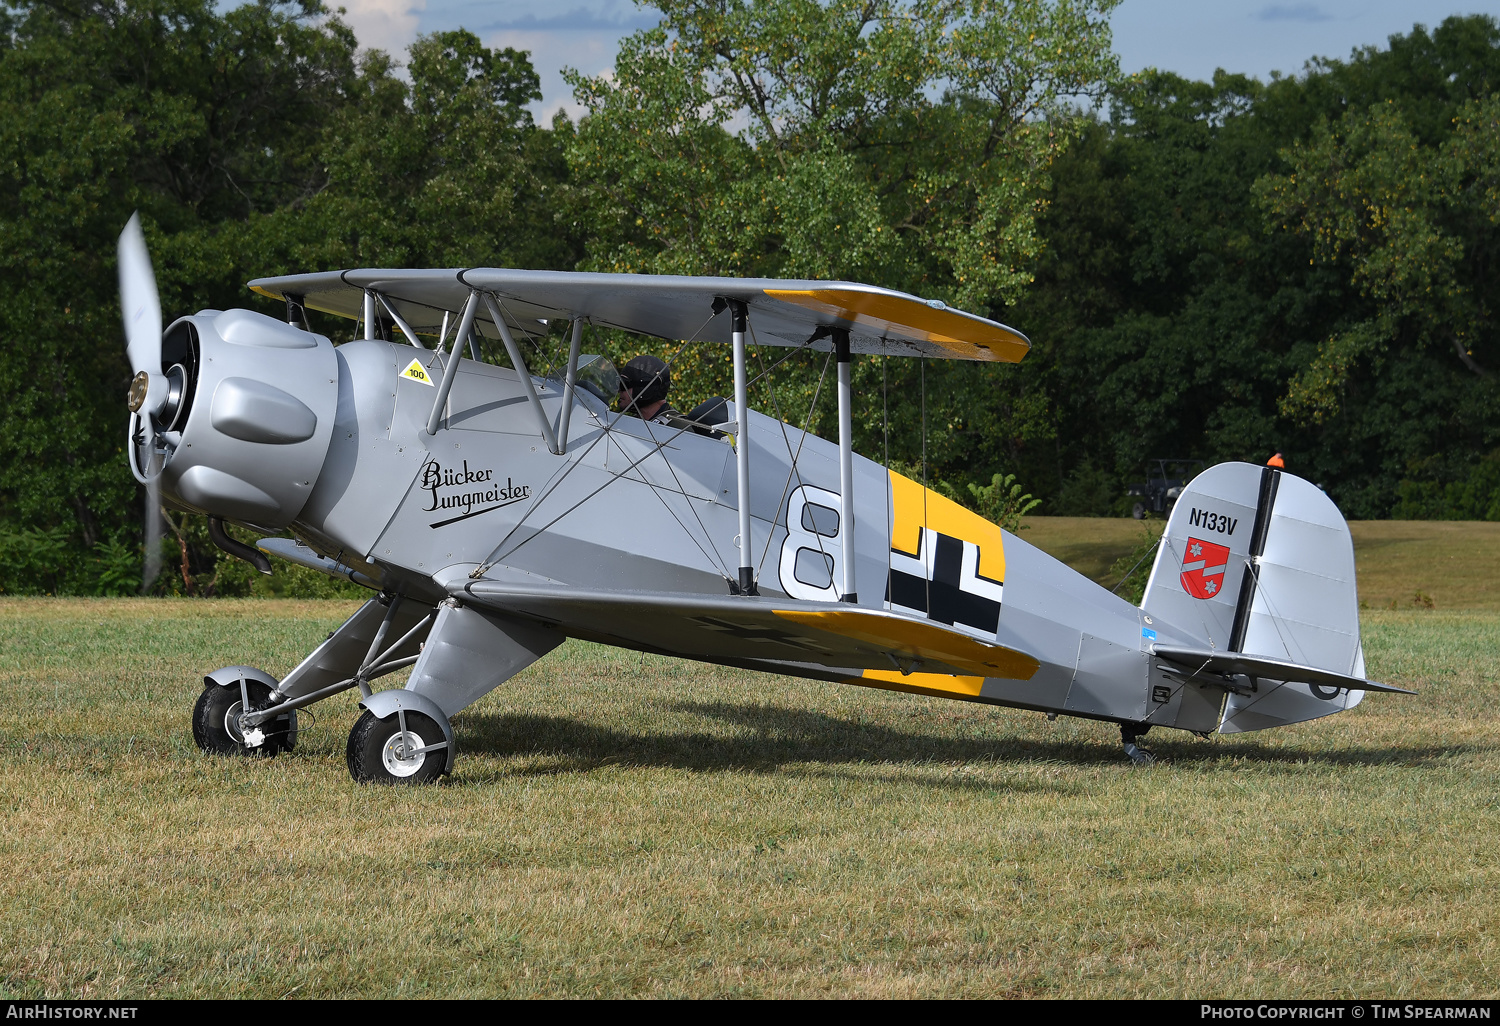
x,y
902,143
162,105
256,140
1413,226
446,170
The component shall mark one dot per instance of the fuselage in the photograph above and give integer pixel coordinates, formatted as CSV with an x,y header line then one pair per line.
x,y
631,505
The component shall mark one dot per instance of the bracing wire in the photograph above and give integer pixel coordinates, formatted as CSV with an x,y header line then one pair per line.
x,y
496,555
922,545
793,470
1154,546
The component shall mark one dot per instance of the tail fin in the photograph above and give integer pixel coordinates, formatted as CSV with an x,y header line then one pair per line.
x,y
1258,561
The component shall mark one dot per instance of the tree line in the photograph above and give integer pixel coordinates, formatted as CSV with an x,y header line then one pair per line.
x,y
1217,270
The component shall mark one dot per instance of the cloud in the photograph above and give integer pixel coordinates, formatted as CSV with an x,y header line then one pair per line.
x,y
590,52
579,19
1291,12
389,25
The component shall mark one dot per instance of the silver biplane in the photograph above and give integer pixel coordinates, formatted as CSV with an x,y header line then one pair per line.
x,y
495,511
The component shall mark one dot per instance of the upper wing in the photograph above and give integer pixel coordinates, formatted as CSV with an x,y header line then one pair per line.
x,y
782,312
717,628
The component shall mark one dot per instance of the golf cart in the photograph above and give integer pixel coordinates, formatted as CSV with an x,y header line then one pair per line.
x,y
1165,480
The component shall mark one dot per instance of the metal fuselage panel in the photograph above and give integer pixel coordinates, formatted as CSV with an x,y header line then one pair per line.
x,y
631,504
634,505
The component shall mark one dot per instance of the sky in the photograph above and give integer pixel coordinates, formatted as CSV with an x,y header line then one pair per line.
x,y
1190,37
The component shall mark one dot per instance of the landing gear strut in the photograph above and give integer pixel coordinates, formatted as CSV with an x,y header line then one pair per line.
x,y
1130,734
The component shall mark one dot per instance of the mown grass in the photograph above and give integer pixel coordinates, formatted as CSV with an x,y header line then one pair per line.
x,y
1402,564
626,825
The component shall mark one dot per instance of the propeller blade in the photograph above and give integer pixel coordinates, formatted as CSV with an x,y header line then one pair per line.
x,y
153,532
140,304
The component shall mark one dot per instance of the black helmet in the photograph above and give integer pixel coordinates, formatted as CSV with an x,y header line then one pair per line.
x,y
648,379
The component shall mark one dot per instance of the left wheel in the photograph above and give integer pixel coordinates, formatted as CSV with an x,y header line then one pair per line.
x,y
381,753
217,729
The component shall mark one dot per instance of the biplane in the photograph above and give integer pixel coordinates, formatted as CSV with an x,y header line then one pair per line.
x,y
495,511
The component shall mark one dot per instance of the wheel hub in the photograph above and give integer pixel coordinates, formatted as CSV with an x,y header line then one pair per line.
x,y
397,753
252,738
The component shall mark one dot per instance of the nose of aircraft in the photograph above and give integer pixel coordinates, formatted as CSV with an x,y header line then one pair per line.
x,y
230,412
255,421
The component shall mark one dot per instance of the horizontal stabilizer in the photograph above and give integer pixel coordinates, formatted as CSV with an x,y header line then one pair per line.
x,y
1207,660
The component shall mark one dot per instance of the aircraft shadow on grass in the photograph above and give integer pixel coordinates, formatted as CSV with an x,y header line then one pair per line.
x,y
775,739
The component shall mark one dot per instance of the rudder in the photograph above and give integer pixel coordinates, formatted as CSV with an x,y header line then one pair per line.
x,y
1256,560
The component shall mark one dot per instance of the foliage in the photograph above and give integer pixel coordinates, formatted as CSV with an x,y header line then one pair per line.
x,y
904,143
1132,571
1180,308
1002,502
254,140
1472,493
1216,269
1412,224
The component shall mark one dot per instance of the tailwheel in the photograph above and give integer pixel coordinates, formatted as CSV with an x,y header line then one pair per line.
x,y
406,747
1130,736
218,730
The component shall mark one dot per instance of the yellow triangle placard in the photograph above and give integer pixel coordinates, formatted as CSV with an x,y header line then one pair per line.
x,y
417,372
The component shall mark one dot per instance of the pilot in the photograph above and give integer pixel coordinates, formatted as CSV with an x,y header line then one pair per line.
x,y
644,384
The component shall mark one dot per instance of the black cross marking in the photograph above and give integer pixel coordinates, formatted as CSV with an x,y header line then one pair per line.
x,y
755,632
950,603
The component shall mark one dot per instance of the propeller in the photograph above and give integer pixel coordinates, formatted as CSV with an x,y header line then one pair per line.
x,y
140,306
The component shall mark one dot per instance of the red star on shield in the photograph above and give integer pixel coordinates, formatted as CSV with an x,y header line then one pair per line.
x,y
1203,568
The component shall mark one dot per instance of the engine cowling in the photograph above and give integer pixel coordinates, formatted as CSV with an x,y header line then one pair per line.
x,y
248,426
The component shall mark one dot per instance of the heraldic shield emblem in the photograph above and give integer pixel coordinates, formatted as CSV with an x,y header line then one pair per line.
x,y
1203,567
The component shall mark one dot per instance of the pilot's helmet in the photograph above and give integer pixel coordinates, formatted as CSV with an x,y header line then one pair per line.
x,y
648,379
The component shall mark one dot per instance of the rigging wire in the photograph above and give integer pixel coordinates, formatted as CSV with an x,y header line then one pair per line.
x,y
606,429
922,542
1154,546
686,497
793,471
885,430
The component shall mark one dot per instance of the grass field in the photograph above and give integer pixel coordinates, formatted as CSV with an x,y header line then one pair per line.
x,y
624,825
1402,564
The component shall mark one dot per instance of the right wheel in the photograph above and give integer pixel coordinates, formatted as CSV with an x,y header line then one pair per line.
x,y
380,753
1138,511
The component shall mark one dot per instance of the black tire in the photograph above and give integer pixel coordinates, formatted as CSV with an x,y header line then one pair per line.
x,y
215,729
373,750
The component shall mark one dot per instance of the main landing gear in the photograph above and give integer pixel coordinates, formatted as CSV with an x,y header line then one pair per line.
x,y
400,738
404,735
407,748
219,724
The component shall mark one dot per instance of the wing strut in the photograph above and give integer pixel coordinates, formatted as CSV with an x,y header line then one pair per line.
x,y
516,359
465,324
746,584
846,460
570,382
411,336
